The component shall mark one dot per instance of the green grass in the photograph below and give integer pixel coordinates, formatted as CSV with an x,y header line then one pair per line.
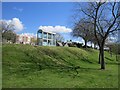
x,y
53,67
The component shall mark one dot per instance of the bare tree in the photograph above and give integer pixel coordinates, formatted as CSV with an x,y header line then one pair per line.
x,y
105,20
6,26
7,31
83,29
93,40
59,37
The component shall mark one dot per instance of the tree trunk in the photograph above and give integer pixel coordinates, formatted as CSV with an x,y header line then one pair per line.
x,y
94,45
110,52
117,53
99,57
102,57
91,44
85,43
116,57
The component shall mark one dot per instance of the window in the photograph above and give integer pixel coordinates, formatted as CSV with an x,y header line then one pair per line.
x,y
45,35
49,36
45,43
40,41
39,35
49,42
54,42
54,37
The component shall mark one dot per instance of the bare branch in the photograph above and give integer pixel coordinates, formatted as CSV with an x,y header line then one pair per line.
x,y
113,10
87,14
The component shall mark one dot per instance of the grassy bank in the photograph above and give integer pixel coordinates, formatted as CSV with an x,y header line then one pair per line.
x,y
56,67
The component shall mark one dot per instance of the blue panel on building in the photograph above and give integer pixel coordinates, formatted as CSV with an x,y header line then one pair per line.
x,y
46,38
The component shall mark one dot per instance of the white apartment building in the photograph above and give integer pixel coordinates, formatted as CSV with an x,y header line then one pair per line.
x,y
45,38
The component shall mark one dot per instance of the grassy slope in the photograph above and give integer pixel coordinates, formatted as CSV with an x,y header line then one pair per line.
x,y
29,66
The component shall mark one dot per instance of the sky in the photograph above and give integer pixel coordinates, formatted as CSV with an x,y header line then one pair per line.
x,y
29,17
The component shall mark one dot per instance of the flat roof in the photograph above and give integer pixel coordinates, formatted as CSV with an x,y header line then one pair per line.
x,y
46,31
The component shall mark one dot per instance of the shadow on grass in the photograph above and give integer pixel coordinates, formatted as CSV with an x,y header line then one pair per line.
x,y
85,59
88,49
82,68
113,63
109,59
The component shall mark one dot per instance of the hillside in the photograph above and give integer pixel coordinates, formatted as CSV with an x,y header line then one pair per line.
x,y
55,67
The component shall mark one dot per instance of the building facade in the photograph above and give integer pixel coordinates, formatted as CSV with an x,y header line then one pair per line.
x,y
45,38
25,39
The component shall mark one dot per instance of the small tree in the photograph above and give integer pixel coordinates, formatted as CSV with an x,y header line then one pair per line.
x,y
114,48
9,36
7,30
59,37
83,29
33,40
